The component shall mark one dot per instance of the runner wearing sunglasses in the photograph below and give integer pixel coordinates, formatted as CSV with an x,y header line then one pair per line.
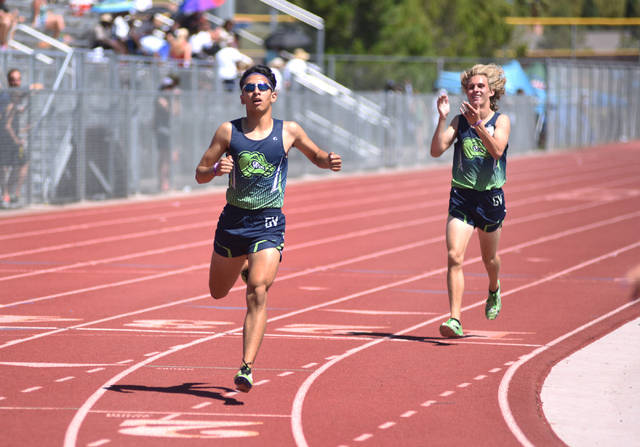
x,y
249,238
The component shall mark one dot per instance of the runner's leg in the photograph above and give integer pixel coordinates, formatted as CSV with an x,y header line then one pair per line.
x,y
489,248
223,273
263,267
458,236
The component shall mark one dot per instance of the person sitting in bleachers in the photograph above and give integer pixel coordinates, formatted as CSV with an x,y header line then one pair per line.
x,y
8,20
45,20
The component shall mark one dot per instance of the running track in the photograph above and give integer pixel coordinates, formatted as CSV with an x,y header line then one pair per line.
x,y
109,337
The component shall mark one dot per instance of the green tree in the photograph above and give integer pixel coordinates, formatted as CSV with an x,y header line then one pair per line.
x,y
413,27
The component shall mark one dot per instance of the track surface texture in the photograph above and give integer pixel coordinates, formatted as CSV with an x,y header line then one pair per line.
x,y
109,336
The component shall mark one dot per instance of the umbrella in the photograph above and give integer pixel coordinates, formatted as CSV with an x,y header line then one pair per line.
x,y
111,6
191,6
287,40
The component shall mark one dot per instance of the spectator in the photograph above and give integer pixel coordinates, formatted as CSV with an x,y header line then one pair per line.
x,y
14,158
296,66
150,38
179,46
46,20
103,36
8,20
228,60
165,108
276,64
225,36
203,43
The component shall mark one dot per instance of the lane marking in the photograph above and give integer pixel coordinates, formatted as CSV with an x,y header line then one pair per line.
x,y
295,247
64,379
91,371
286,373
464,385
32,389
363,437
99,442
202,405
296,412
74,427
503,390
447,393
428,403
386,425
55,365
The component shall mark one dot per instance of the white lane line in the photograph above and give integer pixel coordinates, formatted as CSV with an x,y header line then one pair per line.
x,y
296,412
363,437
503,390
408,414
150,354
91,371
286,373
528,218
262,382
480,377
99,442
64,379
32,389
464,385
202,405
386,425
310,365
446,393
124,362
74,427
428,403
495,370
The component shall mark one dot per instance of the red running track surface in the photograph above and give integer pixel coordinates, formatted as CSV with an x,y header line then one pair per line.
x,y
109,336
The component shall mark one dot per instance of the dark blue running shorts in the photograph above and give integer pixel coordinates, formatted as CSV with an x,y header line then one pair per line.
x,y
484,210
241,231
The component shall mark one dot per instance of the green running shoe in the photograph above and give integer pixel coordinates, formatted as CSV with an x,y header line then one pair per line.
x,y
493,305
243,379
451,328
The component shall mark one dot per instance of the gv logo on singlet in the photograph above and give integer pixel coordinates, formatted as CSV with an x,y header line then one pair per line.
x,y
270,221
497,200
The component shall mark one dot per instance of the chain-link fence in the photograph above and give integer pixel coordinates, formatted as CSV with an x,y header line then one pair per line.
x,y
97,136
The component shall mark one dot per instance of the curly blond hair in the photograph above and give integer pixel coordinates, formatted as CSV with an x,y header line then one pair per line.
x,y
495,78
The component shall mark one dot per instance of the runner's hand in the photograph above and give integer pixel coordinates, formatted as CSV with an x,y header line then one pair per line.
x,y
335,161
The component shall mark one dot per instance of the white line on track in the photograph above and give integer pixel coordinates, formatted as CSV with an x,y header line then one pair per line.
x,y
74,427
528,218
32,389
64,379
296,412
334,219
503,390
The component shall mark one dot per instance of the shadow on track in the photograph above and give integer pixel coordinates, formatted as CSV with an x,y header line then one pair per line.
x,y
438,341
191,388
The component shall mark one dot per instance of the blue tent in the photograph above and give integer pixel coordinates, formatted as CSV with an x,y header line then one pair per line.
x,y
113,6
517,79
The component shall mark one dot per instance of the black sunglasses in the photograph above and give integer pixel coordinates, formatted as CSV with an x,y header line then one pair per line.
x,y
251,87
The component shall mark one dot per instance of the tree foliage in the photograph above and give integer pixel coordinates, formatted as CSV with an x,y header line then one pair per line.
x,y
413,27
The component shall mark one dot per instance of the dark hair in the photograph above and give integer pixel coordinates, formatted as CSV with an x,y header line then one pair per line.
x,y
10,72
261,70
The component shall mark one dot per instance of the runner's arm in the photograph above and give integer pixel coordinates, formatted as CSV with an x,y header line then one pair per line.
x,y
300,140
211,164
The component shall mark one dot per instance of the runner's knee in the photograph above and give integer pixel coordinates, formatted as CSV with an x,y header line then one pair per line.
x,y
455,258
